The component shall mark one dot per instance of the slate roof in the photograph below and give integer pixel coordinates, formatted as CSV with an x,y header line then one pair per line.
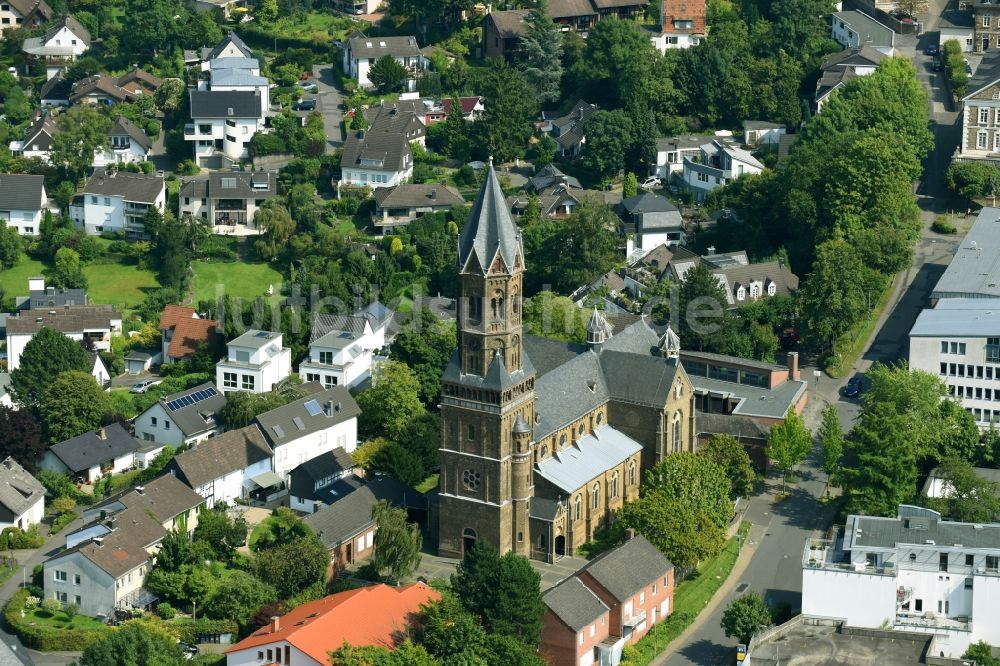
x,y
876,532
67,319
230,38
571,126
489,230
74,26
292,421
395,121
629,568
866,56
26,7
22,191
163,498
573,466
138,187
348,516
376,47
418,195
220,455
647,202
543,508
548,176
375,315
868,29
510,23
41,131
125,127
986,74
761,125
89,449
954,18
302,479
19,490
225,104
232,185
570,8
56,88
574,603
376,150
734,426
199,417
786,283
974,271
100,84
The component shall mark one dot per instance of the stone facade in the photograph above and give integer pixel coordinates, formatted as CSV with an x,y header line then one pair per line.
x,y
986,27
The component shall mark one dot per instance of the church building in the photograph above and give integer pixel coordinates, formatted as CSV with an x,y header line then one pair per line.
x,y
536,457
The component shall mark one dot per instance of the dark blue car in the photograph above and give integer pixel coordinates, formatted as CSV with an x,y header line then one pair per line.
x,y
932,50
853,387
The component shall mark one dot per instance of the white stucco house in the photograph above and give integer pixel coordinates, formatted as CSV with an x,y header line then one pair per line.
x,y
117,202
186,417
22,202
228,201
671,151
223,468
376,159
255,362
342,348
127,143
88,457
22,497
222,124
717,163
361,52
93,323
64,41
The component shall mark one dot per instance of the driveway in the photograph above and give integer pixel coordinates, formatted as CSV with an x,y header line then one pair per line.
x,y
330,98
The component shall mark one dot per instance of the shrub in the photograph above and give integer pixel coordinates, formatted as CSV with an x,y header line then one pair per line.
x,y
71,610
942,226
188,168
465,176
166,611
972,179
51,605
14,538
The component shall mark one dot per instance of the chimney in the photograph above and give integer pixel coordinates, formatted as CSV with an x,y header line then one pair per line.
x,y
141,490
102,434
629,534
98,541
793,365
711,250
275,623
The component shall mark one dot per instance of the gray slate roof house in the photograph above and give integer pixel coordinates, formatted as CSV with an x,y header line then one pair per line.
x,y
324,324
232,185
94,448
19,490
21,191
123,127
568,131
220,455
574,603
347,516
45,46
376,47
199,416
55,91
38,135
549,176
766,275
649,212
315,479
225,104
230,39
68,319
418,195
307,415
385,151
137,187
841,67
629,568
396,121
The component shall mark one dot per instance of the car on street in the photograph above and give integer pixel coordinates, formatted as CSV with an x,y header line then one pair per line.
x,y
145,385
932,50
853,387
305,105
307,86
651,183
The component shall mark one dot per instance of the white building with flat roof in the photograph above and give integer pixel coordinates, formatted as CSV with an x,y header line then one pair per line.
x,y
255,362
915,572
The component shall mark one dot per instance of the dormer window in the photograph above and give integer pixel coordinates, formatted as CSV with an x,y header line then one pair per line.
x,y
754,290
741,294
771,288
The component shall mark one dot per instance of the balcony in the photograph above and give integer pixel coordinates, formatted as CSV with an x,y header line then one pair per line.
x,y
931,620
230,218
190,132
636,620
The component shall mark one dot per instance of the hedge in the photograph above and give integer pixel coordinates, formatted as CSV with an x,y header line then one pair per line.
x,y
189,630
45,638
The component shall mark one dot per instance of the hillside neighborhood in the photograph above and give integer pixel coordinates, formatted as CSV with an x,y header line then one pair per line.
x,y
535,332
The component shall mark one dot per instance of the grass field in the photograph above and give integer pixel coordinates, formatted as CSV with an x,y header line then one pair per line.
x,y
59,620
238,279
14,281
119,284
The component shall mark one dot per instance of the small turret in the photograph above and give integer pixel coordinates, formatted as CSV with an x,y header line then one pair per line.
x,y
598,330
670,344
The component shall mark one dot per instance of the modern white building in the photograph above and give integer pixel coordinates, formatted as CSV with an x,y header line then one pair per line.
x,y
342,348
117,202
183,418
127,143
236,73
914,572
94,324
310,427
650,220
717,163
762,133
228,201
957,24
671,151
223,468
361,52
255,362
22,497
22,202
222,124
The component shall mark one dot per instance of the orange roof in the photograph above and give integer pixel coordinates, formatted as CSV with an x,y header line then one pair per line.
x,y
188,334
174,313
377,615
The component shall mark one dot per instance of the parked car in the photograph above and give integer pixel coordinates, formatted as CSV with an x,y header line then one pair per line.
x,y
145,385
651,183
305,105
853,387
932,50
937,65
307,86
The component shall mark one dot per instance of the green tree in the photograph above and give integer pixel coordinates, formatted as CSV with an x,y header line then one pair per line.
x,y
831,441
631,186
972,179
789,443
511,107
550,316
398,462
880,468
745,616
135,643
405,654
703,304
393,401
387,74
833,297
222,533
175,551
46,355
170,95
277,225
397,542
541,56
447,629
695,479
72,404
68,272
609,139
968,497
10,246
982,653
153,24
683,532
727,452
267,11
293,566
81,130
21,437
425,345
582,247
237,598
282,526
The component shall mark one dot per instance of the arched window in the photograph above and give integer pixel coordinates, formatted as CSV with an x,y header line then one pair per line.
x,y
579,431
515,302
614,484
595,495
578,508
631,473
600,419
741,294
562,441
675,433
772,289
543,453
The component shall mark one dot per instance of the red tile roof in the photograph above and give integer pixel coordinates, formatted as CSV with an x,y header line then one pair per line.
x,y
468,104
174,313
377,615
188,334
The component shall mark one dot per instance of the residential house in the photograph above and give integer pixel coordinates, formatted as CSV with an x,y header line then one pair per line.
x,y
182,418
611,602
361,52
670,154
55,91
342,348
64,41
22,202
22,497
182,332
88,457
92,325
138,361
236,74
359,7
980,138
472,109
841,67
116,201
228,201
346,527
37,141
718,163
958,25
6,399
986,26
568,131
376,159
41,297
853,29
139,82
968,275
650,220
377,615
226,7
230,46
100,89
429,111
255,362
165,499
762,133
99,371
399,205
127,143
911,572
309,427
558,194
682,25
745,284
549,177
24,14
393,120
314,484
222,124
502,32
222,469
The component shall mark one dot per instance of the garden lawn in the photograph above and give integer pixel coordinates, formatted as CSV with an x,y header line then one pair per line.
x,y
58,620
238,279
124,285
14,281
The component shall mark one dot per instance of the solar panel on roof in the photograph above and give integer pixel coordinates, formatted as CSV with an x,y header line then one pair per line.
x,y
192,399
262,334
312,407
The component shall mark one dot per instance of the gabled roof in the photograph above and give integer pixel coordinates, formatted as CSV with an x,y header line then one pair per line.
x,y
987,73
307,415
232,185
865,56
418,195
223,454
230,38
330,465
125,127
489,231
163,498
57,88
571,126
868,29
376,47
22,191
574,603
629,568
548,176
225,104
95,447
199,416
598,451
67,319
19,490
347,516
648,202
189,334
377,615
385,151
396,121
123,549
142,77
571,8
72,24
510,23
100,84
40,132
174,313
28,7
138,187
468,104
771,272
350,327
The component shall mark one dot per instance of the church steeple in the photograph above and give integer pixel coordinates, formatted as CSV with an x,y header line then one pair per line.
x,y
490,231
598,330
670,344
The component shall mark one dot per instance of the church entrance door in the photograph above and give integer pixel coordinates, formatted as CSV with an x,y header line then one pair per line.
x,y
468,540
560,546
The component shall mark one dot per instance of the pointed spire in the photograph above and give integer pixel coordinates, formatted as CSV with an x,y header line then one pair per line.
x,y
489,228
598,329
670,344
